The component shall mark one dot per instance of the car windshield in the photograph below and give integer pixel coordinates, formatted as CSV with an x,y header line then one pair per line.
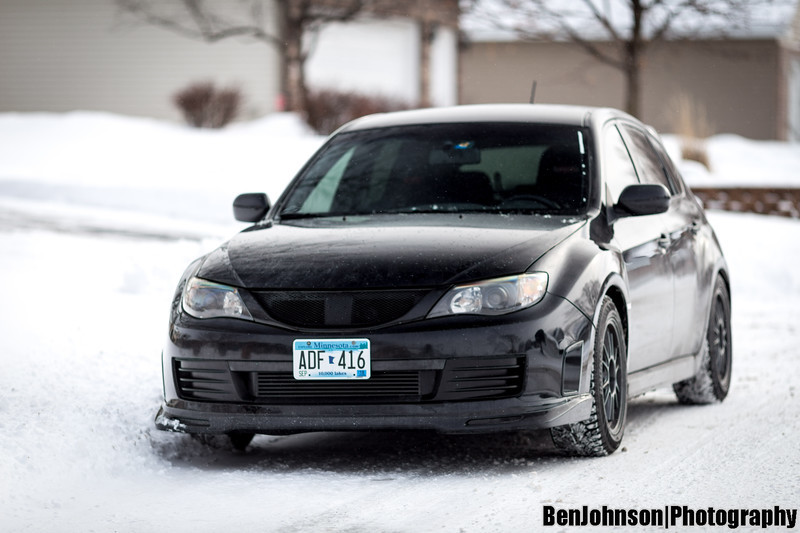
x,y
459,168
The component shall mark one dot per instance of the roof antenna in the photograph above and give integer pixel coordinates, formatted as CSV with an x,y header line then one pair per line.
x,y
533,91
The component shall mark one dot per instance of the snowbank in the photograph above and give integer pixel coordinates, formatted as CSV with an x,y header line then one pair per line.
x,y
109,161
739,162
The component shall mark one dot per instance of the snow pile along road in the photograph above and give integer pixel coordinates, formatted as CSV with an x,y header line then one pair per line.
x,y
90,256
738,162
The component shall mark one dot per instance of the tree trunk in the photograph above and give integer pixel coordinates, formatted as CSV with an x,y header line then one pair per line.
x,y
633,84
633,61
293,83
294,75
427,29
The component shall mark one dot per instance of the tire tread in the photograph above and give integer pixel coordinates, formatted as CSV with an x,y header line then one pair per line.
x,y
587,438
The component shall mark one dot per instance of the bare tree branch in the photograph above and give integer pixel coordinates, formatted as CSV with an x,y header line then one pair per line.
x,y
592,48
207,21
199,25
592,26
603,19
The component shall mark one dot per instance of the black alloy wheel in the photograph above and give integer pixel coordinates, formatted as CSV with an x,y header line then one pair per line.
x,y
612,381
713,380
719,340
602,432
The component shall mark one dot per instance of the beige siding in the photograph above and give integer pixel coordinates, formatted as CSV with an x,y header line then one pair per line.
x,y
505,72
63,55
793,35
736,81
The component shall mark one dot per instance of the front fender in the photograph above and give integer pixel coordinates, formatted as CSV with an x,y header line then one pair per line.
x,y
583,272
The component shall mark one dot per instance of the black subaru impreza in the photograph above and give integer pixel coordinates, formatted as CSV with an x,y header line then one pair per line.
x,y
467,269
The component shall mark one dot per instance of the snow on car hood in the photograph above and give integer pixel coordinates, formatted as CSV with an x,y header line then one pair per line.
x,y
323,254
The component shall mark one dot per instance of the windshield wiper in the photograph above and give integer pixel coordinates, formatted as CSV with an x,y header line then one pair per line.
x,y
344,214
301,216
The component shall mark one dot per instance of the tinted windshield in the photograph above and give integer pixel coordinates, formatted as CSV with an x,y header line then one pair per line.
x,y
502,168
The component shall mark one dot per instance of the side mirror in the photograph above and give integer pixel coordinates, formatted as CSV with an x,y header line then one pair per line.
x,y
250,207
643,199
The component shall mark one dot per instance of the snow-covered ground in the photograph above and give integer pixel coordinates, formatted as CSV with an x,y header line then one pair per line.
x,y
100,214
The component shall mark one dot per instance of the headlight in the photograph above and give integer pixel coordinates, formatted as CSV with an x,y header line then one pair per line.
x,y
205,299
493,297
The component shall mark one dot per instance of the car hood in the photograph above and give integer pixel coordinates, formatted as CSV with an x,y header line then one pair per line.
x,y
395,253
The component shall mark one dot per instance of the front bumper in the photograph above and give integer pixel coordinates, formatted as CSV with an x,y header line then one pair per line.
x,y
464,417
212,369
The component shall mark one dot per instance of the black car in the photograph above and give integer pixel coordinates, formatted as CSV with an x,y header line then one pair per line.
x,y
467,269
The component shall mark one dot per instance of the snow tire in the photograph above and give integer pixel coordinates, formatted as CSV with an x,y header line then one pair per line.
x,y
602,432
712,382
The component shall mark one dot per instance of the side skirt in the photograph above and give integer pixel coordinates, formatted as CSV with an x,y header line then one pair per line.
x,y
661,375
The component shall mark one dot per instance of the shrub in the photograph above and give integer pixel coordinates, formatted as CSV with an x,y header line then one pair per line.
x,y
205,106
328,109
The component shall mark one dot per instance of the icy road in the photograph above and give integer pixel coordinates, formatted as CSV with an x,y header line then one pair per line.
x,y
81,323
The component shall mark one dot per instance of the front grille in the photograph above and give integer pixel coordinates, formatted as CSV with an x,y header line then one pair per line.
x,y
461,379
337,309
281,387
204,380
482,378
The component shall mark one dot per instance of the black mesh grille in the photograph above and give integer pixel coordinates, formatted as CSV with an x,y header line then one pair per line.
x,y
204,380
295,308
483,378
381,386
480,378
462,379
337,309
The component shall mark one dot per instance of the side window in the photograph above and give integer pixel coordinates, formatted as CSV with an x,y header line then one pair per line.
x,y
648,164
619,171
672,173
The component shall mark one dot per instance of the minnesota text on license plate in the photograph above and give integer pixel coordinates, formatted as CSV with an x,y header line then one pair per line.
x,y
331,359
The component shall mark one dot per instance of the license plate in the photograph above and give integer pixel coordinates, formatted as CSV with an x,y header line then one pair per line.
x,y
331,359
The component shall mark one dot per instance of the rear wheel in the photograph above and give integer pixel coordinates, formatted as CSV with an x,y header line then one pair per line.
x,y
713,380
602,432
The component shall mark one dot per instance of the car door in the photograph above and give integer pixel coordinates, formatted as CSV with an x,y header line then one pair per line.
x,y
687,246
677,242
640,240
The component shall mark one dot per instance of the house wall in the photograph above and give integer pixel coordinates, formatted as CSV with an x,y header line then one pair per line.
x,y
63,55
444,67
505,72
735,81
381,57
387,66
793,97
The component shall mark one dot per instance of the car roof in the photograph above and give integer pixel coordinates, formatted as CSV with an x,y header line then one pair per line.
x,y
535,113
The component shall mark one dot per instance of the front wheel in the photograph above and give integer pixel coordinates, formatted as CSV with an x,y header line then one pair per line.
x,y
602,432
